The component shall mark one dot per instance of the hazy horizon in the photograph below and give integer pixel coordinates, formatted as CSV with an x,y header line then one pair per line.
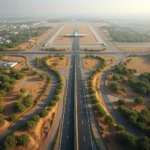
x,y
51,8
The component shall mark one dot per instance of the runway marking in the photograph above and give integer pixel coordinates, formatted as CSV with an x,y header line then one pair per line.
x,y
82,122
84,138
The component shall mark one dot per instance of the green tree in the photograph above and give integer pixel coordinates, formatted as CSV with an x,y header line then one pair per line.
x,y
127,140
23,140
19,107
143,143
30,124
1,108
36,118
42,76
13,117
119,127
109,119
43,113
2,121
10,142
2,92
121,101
139,100
23,90
20,96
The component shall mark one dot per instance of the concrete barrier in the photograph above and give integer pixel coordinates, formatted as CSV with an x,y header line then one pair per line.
x,y
76,145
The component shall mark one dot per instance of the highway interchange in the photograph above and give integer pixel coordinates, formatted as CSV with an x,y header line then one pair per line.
x,y
78,99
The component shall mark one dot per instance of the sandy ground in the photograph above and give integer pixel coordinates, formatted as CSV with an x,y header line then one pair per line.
x,y
21,61
90,63
28,83
133,47
83,28
68,29
60,63
40,132
141,64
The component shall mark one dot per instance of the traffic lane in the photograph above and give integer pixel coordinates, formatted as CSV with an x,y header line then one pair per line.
x,y
67,141
83,124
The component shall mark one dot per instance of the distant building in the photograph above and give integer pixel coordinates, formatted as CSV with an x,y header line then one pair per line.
x,y
8,41
10,64
31,41
24,26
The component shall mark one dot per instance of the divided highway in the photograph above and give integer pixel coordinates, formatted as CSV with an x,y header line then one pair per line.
x,y
84,138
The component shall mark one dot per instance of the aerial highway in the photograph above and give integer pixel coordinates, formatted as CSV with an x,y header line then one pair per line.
x,y
67,138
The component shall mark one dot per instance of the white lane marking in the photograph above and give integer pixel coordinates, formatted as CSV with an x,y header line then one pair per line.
x,y
68,122
82,122
68,109
67,137
84,138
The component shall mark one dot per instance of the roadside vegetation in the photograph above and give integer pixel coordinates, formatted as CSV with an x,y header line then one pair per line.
x,y
53,49
11,141
125,34
129,79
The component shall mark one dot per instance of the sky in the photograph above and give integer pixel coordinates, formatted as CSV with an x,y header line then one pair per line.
x,y
35,8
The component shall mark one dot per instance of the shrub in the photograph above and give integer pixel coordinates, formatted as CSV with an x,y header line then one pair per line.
x,y
36,118
121,101
43,113
20,96
22,90
23,140
2,121
30,124
100,111
109,119
119,127
10,142
139,100
127,140
1,108
13,117
19,107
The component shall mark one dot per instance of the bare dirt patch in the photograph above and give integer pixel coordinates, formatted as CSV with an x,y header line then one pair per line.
x,y
57,63
133,47
90,63
39,134
22,62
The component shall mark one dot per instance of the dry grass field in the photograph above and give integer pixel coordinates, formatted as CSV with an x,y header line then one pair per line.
x,y
57,63
133,47
90,63
141,64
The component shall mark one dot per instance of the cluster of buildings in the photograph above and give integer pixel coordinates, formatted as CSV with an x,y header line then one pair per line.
x,y
9,29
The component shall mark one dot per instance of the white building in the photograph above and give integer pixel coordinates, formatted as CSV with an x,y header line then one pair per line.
x,y
31,41
8,41
10,64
